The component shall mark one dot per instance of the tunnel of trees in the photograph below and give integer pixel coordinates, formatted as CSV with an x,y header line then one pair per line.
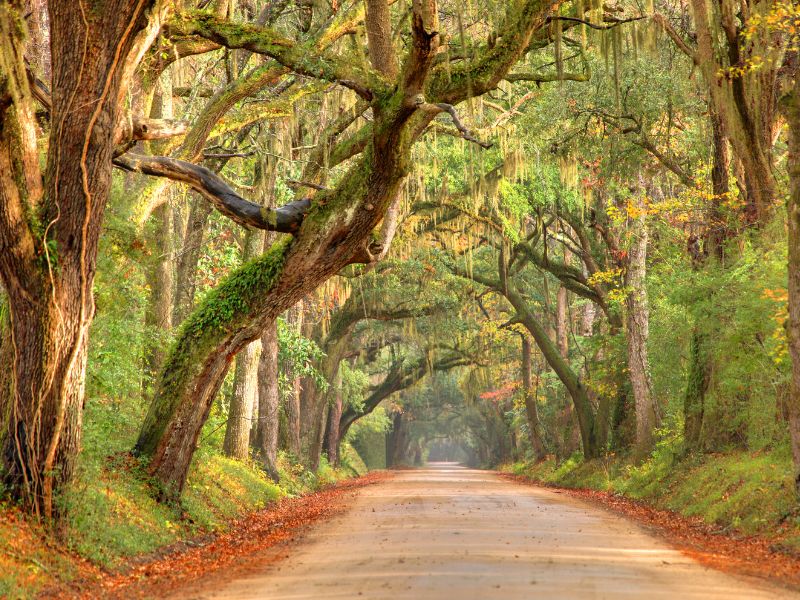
x,y
307,232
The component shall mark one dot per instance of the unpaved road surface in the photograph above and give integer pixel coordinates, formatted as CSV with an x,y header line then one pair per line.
x,y
450,533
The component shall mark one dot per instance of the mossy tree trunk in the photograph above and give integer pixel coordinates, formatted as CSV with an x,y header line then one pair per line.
x,y
50,224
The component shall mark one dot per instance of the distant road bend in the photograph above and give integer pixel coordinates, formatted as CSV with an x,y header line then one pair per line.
x,y
446,532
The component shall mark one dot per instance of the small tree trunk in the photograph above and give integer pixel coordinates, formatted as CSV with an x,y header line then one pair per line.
x,y
531,410
562,331
696,388
245,388
292,400
188,257
792,111
245,384
266,439
637,322
158,316
332,439
397,443
316,408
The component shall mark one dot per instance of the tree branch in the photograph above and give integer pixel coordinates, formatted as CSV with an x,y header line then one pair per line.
x,y
286,219
439,107
305,60
679,41
612,22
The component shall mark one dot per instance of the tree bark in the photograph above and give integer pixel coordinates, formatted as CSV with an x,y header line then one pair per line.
x,y
51,308
158,315
562,331
791,107
188,258
294,319
397,442
531,410
245,384
332,430
245,388
638,327
266,440
745,104
159,270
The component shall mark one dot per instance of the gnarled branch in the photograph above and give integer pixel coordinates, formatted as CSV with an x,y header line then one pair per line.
x,y
438,107
286,219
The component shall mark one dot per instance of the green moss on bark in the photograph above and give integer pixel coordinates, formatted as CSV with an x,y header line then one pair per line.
x,y
225,308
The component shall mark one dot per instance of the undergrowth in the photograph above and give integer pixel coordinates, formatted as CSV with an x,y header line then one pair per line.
x,y
113,516
748,493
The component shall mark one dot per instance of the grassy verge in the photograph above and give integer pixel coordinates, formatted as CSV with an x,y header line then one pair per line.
x,y
114,518
740,492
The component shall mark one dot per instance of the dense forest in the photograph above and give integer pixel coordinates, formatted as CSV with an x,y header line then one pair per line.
x,y
281,239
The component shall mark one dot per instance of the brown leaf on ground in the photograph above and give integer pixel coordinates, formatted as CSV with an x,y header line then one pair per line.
x,y
754,556
232,550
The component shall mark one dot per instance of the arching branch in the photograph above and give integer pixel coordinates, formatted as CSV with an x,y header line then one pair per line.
x,y
286,219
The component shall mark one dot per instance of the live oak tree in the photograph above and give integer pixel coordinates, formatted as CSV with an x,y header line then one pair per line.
x,y
50,220
331,231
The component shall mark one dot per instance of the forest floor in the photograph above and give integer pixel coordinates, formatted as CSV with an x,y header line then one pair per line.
x,y
445,531
261,536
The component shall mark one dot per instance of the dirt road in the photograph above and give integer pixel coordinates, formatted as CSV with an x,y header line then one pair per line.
x,y
450,533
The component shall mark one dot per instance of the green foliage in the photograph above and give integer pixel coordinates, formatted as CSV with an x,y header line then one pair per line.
x,y
352,386
300,355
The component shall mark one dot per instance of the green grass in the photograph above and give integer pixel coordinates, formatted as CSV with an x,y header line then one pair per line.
x,y
748,492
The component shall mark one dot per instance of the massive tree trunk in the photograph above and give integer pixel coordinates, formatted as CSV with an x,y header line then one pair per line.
x,y
638,327
265,444
531,410
50,226
791,107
